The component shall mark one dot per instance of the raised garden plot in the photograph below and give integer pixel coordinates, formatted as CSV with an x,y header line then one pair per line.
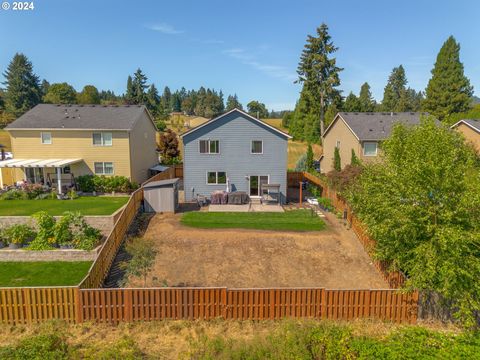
x,y
294,220
42,273
86,205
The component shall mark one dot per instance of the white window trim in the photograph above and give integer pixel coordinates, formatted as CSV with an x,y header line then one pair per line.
x,y
41,138
370,142
208,147
102,139
103,168
251,148
216,178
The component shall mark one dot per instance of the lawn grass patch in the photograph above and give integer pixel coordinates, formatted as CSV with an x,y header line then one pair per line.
x,y
294,220
86,205
42,273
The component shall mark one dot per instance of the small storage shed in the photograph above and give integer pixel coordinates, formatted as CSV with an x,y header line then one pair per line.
x,y
161,196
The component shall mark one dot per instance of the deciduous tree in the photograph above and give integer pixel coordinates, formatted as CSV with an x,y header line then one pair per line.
x,y
61,93
88,95
257,109
168,147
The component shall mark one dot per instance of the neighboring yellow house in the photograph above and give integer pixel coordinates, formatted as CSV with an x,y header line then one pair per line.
x,y
56,143
470,130
360,132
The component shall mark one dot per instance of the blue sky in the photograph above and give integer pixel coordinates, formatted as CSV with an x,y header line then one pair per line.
x,y
246,47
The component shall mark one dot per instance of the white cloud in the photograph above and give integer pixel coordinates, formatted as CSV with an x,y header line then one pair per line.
x,y
165,29
276,71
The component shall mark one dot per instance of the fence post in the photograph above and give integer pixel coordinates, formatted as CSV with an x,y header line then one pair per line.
x,y
128,307
78,305
323,305
224,303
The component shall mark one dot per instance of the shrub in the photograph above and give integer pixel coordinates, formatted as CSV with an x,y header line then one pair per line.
x,y
85,183
72,194
45,231
84,236
33,190
337,161
90,183
341,180
325,203
62,232
19,234
43,346
14,194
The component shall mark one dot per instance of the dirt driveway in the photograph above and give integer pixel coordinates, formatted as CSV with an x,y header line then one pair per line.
x,y
332,258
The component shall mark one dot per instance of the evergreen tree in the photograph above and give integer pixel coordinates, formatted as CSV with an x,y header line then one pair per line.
x,y
232,103
44,87
367,103
22,86
352,103
394,95
139,84
130,94
89,95
176,102
153,100
355,161
319,73
449,90
167,100
61,93
337,162
309,161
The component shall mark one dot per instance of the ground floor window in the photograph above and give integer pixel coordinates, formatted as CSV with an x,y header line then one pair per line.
x,y
216,177
103,168
370,148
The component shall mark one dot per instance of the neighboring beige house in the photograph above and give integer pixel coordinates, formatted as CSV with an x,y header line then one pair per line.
x,y
470,130
362,132
56,143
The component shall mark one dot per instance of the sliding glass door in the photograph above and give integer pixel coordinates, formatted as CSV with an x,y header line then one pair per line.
x,y
255,184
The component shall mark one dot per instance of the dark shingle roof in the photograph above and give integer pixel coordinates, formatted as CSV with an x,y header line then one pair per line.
x,y
377,125
85,117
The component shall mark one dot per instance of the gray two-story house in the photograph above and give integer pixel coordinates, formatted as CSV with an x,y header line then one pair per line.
x,y
234,152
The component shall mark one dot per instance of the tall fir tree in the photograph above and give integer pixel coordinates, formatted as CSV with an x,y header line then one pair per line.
x,y
232,103
394,95
367,104
130,93
352,103
167,100
139,85
309,163
153,100
449,90
319,74
22,86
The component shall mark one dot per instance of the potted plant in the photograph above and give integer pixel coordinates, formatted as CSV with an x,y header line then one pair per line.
x,y
18,235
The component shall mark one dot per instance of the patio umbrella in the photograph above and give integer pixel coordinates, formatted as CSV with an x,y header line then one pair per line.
x,y
228,185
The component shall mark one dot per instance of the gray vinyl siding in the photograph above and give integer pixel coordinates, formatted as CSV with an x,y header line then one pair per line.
x,y
235,132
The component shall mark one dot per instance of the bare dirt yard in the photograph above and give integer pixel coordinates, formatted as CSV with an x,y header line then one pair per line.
x,y
332,258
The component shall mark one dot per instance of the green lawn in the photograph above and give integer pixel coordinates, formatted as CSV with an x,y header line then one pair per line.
x,y
42,273
295,220
87,205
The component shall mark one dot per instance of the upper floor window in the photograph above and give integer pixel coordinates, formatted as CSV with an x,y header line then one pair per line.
x,y
102,139
46,137
103,168
257,147
209,146
370,148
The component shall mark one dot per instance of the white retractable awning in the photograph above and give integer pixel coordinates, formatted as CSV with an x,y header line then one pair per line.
x,y
40,163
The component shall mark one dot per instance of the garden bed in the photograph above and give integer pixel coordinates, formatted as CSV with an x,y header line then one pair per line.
x,y
24,255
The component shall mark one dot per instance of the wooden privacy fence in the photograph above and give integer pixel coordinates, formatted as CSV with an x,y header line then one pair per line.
x,y
29,305
395,279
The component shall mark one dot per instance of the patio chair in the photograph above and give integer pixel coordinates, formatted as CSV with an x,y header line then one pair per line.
x,y
202,200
